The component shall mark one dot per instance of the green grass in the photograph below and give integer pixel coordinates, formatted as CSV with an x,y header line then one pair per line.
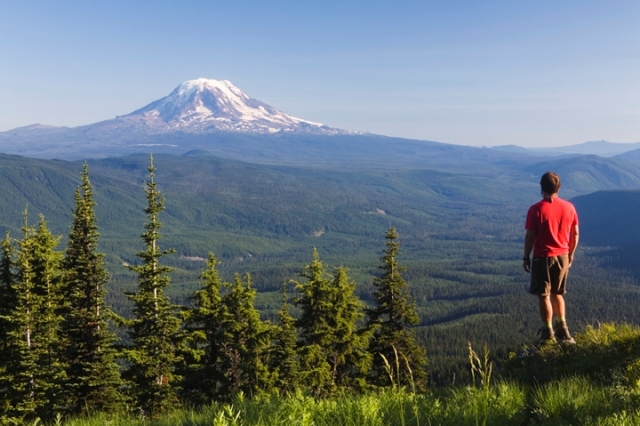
x,y
597,383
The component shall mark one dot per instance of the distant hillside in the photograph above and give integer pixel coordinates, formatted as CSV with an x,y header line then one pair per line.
x,y
609,218
630,156
208,194
599,148
590,173
250,211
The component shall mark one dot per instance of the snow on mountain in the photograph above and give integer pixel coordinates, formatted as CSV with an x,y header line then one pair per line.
x,y
203,105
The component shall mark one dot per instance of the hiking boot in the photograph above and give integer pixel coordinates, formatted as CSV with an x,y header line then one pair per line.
x,y
546,335
562,333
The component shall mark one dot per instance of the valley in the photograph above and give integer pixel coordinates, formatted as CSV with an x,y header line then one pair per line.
x,y
461,233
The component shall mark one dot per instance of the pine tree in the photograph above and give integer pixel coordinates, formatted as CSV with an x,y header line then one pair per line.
x,y
156,324
202,377
33,372
284,356
7,307
397,358
245,341
20,355
92,375
348,356
315,332
332,349
7,294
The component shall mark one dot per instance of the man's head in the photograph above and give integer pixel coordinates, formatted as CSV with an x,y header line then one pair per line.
x,y
550,183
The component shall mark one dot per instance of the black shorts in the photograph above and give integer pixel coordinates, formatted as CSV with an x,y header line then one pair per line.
x,y
549,275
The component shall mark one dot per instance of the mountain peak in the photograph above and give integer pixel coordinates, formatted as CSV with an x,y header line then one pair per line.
x,y
203,105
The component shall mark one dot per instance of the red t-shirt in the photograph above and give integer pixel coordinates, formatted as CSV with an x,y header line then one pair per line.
x,y
552,219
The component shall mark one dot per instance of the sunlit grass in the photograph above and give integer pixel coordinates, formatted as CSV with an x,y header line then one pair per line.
x,y
579,398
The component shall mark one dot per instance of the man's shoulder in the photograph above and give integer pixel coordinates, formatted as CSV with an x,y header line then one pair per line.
x,y
536,205
568,210
552,205
566,203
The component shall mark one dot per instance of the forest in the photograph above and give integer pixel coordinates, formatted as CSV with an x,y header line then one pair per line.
x,y
458,255
60,356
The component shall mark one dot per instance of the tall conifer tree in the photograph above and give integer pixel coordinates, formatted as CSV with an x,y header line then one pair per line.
x,y
314,330
7,293
396,355
284,356
7,308
245,341
93,379
155,326
348,355
203,378
332,349
34,372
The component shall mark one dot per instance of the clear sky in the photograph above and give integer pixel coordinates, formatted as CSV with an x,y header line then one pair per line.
x,y
530,73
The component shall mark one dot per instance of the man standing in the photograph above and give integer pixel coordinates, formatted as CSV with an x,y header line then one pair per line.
x,y
552,234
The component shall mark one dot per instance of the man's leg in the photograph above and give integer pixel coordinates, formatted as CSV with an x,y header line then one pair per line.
x,y
546,315
560,329
546,309
557,303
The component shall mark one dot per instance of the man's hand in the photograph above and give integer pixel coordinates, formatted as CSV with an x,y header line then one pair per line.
x,y
529,239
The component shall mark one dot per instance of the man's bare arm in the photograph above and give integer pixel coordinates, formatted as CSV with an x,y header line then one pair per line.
x,y
529,238
573,242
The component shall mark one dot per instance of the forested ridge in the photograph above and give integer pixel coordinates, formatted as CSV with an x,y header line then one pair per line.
x,y
458,244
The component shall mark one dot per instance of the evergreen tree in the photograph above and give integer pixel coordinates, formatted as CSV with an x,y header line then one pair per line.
x,y
397,358
7,294
202,377
349,358
93,379
33,371
332,350
245,341
314,330
155,326
7,307
284,356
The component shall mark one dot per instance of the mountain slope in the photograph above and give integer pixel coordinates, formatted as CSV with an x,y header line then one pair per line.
x,y
600,148
633,156
203,105
611,217
198,114
590,173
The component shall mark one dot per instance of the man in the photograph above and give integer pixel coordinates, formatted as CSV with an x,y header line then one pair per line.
x,y
552,234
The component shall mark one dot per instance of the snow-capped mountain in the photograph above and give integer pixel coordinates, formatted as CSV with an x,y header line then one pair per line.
x,y
204,105
199,114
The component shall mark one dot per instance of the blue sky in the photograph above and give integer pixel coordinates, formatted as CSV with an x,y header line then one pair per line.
x,y
541,73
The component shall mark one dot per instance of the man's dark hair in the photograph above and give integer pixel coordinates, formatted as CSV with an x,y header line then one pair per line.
x,y
550,183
